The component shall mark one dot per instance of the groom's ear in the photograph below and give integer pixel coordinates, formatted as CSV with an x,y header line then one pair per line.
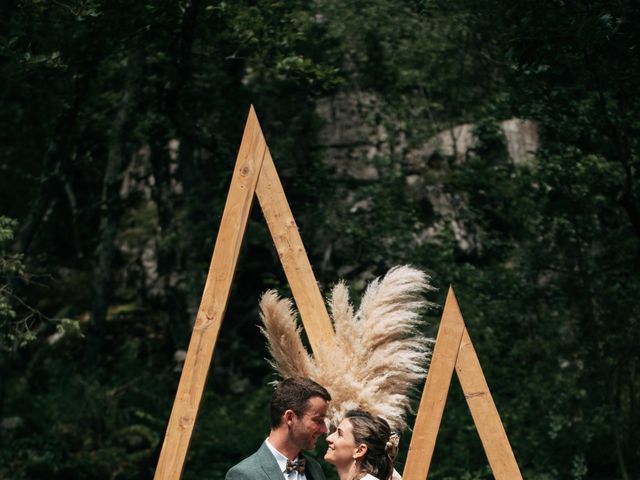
x,y
288,416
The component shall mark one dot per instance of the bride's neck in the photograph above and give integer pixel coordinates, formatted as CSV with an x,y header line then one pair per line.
x,y
349,472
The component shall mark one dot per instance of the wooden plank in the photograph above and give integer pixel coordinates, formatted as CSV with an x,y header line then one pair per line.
x,y
293,256
436,390
214,301
485,415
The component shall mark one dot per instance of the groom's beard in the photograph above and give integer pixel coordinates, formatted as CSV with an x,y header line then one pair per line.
x,y
303,438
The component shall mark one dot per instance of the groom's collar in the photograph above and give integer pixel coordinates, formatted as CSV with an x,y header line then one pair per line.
x,y
280,458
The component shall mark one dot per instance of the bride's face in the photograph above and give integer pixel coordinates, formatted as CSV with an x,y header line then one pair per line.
x,y
342,447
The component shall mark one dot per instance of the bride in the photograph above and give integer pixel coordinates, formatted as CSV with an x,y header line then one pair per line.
x,y
362,447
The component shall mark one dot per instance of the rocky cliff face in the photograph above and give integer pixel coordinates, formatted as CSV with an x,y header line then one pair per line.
x,y
357,134
362,144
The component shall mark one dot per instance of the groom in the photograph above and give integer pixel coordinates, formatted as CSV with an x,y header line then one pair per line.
x,y
298,411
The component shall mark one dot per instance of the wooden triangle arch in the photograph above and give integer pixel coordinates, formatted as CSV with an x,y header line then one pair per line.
x,y
454,350
255,173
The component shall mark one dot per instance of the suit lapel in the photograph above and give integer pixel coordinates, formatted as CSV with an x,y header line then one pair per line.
x,y
310,473
313,471
270,467
269,464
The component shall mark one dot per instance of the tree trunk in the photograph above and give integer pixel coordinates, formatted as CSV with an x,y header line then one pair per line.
x,y
57,154
618,436
110,207
180,75
170,297
7,8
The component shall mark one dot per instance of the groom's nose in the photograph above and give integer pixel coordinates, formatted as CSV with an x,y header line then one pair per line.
x,y
323,427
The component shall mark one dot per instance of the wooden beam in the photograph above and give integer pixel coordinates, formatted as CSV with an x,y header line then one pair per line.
x,y
284,231
436,390
214,301
485,414
255,173
454,351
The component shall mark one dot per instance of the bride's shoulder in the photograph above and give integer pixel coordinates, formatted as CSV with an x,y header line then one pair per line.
x,y
368,476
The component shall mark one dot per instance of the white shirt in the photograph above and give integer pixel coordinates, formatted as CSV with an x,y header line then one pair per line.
x,y
282,464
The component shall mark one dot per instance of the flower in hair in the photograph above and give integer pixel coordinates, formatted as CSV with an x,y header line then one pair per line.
x,y
394,440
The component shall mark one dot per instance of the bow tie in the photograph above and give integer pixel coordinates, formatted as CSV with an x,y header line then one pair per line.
x,y
298,465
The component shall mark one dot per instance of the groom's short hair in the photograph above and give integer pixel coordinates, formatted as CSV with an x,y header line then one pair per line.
x,y
293,394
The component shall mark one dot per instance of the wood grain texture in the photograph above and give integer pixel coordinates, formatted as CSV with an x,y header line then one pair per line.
x,y
213,303
293,256
454,351
436,390
255,173
485,414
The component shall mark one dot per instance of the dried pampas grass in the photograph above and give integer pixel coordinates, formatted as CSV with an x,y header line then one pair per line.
x,y
377,355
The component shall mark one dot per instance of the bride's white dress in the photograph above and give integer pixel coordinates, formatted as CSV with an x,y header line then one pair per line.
x,y
368,476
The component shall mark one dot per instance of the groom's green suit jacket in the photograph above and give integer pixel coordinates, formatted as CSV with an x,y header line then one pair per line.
x,y
262,465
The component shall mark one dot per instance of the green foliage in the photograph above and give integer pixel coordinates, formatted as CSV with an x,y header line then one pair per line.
x,y
13,330
121,121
